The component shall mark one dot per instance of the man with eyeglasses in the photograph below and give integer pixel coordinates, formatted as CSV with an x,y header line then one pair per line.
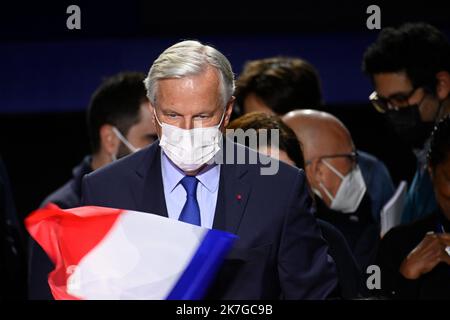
x,y
334,174
409,68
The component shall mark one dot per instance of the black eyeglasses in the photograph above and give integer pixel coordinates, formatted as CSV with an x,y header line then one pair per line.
x,y
393,102
352,156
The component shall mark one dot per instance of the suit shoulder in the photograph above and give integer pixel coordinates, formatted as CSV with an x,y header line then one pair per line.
x,y
65,196
370,161
270,170
411,230
121,167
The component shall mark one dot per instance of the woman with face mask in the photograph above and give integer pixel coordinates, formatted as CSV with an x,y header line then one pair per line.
x,y
415,258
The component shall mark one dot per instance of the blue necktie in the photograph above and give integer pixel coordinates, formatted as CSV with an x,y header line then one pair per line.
x,y
191,210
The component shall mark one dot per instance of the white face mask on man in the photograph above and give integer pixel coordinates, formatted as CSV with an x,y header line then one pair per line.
x,y
189,149
350,192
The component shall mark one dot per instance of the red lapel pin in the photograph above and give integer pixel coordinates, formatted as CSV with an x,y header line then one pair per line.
x,y
238,196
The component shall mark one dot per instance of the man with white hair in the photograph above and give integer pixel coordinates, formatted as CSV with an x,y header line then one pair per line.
x,y
279,252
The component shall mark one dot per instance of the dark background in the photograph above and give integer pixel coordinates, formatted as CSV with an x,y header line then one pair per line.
x,y
47,73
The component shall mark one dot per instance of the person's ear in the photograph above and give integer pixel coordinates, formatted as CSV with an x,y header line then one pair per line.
x,y
316,172
228,111
108,140
310,175
151,108
443,84
154,121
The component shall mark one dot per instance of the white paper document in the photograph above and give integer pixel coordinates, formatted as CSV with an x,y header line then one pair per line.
x,y
391,213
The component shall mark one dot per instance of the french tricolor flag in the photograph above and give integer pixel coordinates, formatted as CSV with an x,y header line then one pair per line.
x,y
104,253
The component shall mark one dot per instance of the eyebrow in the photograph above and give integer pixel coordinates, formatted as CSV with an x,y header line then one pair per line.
x,y
211,112
169,111
395,95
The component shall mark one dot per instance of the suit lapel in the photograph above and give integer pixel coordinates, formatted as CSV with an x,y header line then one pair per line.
x,y
234,192
234,189
149,191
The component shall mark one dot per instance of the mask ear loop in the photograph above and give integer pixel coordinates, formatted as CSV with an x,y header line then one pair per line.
x,y
157,120
333,169
328,193
156,117
336,172
124,140
221,119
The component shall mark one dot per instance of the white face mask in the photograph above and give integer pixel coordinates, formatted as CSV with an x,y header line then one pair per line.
x,y
124,140
350,191
189,149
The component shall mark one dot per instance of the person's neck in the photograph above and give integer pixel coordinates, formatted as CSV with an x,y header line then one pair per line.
x,y
99,160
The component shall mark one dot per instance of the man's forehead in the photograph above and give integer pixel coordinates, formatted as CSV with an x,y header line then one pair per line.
x,y
327,142
206,83
391,83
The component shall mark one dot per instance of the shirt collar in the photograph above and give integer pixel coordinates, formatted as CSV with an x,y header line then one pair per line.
x,y
208,177
171,173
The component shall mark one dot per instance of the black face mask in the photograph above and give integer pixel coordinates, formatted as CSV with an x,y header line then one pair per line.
x,y
409,126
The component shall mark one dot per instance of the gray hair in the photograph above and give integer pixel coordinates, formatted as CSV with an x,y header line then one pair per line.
x,y
188,58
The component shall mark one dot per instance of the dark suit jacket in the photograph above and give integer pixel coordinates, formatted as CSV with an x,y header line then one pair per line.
x,y
39,264
396,246
69,195
12,254
280,251
358,228
351,284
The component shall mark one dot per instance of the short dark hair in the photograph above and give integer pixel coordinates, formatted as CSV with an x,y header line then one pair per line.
x,y
116,102
288,140
440,143
282,83
418,49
